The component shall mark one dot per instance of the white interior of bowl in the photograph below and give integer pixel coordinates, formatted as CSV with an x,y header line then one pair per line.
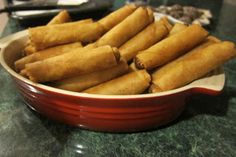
x,y
172,20
10,51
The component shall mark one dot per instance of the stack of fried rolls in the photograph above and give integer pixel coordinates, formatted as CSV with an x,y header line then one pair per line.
x,y
76,62
195,64
46,53
82,82
117,16
51,35
124,53
62,17
132,83
153,33
171,47
127,28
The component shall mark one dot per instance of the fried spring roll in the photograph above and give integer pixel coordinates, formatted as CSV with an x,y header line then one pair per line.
x,y
29,49
171,47
79,83
128,28
176,30
46,53
132,83
47,36
178,27
143,40
192,65
166,22
62,17
74,63
117,16
208,41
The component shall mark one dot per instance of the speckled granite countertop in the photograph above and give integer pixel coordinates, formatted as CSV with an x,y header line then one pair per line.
x,y
206,128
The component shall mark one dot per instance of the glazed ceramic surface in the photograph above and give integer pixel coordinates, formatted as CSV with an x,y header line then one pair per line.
x,y
102,112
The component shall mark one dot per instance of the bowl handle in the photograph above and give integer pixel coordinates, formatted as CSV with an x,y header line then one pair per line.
x,y
212,84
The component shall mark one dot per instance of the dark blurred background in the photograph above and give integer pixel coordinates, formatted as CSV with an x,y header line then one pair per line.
x,y
102,7
221,9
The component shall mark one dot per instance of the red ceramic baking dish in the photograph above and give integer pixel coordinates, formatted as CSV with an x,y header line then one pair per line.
x,y
103,112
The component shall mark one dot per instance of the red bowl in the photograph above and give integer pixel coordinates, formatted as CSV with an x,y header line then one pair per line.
x,y
103,112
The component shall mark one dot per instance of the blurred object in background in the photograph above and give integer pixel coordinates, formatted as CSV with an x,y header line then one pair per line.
x,y
38,12
186,14
213,5
138,2
3,18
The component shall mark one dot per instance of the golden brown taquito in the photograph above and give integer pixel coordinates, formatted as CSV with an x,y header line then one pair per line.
x,y
82,82
62,17
46,53
176,30
47,36
208,41
143,40
192,65
127,28
166,22
178,27
132,83
170,48
74,63
117,16
29,49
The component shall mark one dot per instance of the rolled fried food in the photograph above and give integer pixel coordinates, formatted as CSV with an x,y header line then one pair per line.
x,y
82,82
162,22
192,65
170,48
128,28
46,53
132,83
29,49
117,16
62,17
166,22
178,27
47,36
208,41
143,40
74,63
